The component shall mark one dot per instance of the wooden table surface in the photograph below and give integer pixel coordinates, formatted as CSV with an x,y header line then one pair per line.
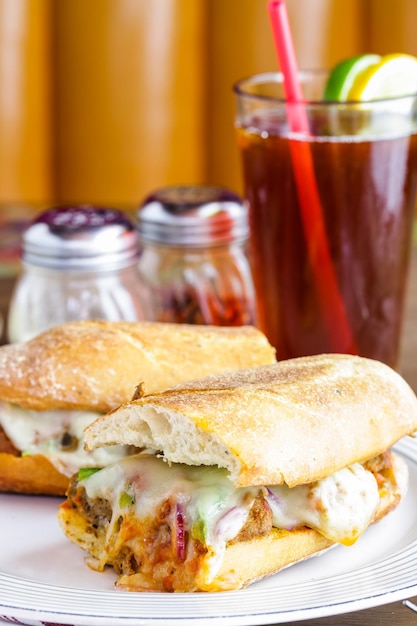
x,y
396,614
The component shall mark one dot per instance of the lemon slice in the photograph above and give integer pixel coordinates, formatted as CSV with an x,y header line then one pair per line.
x,y
395,75
344,75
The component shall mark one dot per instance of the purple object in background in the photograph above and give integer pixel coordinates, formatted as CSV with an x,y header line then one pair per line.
x,y
79,262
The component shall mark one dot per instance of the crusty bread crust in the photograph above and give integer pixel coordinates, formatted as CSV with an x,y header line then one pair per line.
x,y
291,422
250,561
31,474
244,562
97,365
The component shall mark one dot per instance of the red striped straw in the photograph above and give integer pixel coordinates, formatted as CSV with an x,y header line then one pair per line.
x,y
333,307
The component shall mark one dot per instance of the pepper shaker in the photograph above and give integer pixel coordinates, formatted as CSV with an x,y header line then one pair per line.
x,y
193,259
78,262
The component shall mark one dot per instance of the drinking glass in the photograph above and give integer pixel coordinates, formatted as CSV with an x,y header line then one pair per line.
x,y
363,162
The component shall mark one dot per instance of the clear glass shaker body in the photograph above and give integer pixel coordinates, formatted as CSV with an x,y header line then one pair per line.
x,y
193,261
199,285
44,297
78,262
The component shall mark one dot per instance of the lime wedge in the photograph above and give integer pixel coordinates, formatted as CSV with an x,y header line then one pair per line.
x,y
395,75
346,73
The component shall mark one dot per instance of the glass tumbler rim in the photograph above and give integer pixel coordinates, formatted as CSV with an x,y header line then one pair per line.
x,y
241,89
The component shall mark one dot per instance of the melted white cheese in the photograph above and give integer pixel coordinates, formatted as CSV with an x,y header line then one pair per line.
x,y
339,507
206,491
214,511
40,432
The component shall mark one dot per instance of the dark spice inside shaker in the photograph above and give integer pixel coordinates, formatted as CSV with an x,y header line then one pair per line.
x,y
193,260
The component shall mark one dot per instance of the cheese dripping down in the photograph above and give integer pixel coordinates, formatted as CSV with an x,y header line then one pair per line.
x,y
340,507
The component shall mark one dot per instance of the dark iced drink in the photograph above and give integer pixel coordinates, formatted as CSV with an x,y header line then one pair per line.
x,y
365,166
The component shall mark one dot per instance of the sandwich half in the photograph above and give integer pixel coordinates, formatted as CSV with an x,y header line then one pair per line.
x,y
243,473
54,385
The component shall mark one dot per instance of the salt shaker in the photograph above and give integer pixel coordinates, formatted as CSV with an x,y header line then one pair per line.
x,y
193,259
78,262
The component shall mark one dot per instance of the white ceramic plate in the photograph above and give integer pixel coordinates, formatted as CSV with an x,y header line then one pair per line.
x,y
43,578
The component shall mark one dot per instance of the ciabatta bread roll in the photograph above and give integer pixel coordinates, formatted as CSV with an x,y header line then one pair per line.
x,y
251,471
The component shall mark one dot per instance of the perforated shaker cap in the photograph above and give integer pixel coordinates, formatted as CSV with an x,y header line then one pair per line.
x,y
81,237
193,216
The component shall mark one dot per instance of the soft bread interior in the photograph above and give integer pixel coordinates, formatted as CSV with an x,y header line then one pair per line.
x,y
169,431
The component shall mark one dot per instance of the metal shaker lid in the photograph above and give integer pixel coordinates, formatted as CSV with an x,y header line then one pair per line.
x,y
81,237
193,216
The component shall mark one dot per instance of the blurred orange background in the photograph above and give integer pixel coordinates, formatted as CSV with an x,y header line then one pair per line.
x,y
103,101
